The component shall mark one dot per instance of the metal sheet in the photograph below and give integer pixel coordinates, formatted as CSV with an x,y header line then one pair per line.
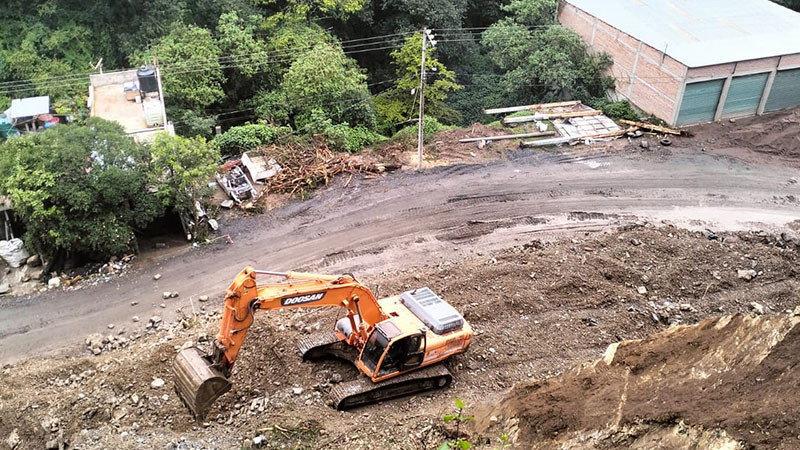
x,y
744,95
785,91
700,101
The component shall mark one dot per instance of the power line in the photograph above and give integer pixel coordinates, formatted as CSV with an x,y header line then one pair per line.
x,y
201,68
224,59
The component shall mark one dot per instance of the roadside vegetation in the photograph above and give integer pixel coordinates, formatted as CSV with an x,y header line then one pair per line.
x,y
87,190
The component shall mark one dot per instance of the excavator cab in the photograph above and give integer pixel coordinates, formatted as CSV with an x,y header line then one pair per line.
x,y
388,351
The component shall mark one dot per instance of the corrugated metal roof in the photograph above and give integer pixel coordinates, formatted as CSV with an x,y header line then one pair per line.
x,y
703,32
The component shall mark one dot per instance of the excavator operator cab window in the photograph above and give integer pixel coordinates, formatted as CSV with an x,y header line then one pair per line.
x,y
374,348
403,354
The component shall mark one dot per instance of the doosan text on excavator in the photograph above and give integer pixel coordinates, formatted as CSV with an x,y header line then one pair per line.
x,y
397,342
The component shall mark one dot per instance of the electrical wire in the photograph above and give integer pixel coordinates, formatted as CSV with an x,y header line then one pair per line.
x,y
167,71
343,44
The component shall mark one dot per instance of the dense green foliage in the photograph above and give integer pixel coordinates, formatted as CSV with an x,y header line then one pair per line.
x,y
430,127
181,167
346,138
81,189
615,109
228,62
181,52
249,136
546,63
323,80
396,105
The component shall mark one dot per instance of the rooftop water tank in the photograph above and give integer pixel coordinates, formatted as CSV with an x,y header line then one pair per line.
x,y
147,79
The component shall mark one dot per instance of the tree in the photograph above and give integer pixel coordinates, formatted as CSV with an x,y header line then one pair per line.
x,y
545,63
79,190
303,9
395,105
236,39
181,169
431,13
324,80
192,73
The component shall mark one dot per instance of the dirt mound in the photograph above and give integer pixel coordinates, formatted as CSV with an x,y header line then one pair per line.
x,y
733,373
775,134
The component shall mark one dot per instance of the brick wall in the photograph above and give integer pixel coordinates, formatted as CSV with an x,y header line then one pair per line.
x,y
650,79
790,61
756,65
708,72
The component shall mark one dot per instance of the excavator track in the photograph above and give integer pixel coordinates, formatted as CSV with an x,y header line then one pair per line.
x,y
314,346
363,391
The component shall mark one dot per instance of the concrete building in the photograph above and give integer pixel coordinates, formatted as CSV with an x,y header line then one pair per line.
x,y
688,61
132,98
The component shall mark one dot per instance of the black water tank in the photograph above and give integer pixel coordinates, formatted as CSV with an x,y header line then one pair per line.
x,y
147,80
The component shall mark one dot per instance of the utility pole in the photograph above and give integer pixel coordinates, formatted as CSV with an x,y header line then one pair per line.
x,y
427,37
420,132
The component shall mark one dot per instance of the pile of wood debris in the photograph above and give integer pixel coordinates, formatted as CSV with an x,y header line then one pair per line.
x,y
293,168
574,123
305,168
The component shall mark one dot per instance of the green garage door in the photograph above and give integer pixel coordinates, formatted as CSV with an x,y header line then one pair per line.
x,y
785,90
744,95
700,102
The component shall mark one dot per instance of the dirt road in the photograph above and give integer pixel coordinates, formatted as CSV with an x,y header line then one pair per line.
x,y
410,219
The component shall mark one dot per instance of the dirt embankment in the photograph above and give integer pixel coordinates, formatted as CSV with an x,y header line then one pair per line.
x,y
726,383
537,309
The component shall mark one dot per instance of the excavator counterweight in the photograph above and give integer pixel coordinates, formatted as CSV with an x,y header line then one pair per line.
x,y
397,342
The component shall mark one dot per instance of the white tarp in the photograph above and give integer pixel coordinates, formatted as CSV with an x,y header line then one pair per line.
x,y
13,252
28,107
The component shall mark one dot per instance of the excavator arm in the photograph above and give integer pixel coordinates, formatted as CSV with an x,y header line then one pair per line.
x,y
201,379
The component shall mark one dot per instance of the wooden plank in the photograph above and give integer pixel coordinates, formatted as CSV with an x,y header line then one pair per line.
x,y
610,134
508,136
651,127
512,109
568,139
521,119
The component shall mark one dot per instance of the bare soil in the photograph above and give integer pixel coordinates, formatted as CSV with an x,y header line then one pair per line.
x,y
445,149
731,375
537,308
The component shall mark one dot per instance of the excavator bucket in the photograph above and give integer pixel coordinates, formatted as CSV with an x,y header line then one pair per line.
x,y
196,382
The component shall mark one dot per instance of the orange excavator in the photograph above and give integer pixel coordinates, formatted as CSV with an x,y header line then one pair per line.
x,y
396,341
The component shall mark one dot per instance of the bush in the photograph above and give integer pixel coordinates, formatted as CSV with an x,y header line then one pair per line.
x,y
247,137
615,110
351,139
430,127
